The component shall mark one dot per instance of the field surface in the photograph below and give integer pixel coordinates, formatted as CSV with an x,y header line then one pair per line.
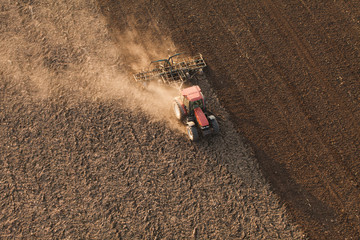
x,y
85,154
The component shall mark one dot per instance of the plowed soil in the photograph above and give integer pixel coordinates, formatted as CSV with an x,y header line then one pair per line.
x,y
288,74
84,154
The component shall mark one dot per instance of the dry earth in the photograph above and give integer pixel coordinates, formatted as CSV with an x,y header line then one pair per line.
x,y
84,154
288,74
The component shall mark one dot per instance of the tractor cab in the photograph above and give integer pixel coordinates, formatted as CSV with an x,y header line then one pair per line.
x,y
192,98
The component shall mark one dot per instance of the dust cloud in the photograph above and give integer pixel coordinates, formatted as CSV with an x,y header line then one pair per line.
x,y
63,49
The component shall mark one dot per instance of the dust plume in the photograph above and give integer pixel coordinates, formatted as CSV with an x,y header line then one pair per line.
x,y
64,50
138,49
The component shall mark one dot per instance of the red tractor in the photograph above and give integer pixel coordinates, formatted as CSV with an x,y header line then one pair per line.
x,y
190,108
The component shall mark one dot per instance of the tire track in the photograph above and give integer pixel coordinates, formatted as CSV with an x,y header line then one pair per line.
x,y
344,37
349,191
294,100
294,132
338,35
314,65
307,55
331,43
328,38
303,50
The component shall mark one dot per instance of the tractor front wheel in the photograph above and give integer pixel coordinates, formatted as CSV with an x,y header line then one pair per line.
x,y
178,111
192,133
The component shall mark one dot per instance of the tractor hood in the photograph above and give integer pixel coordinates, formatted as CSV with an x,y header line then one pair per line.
x,y
200,117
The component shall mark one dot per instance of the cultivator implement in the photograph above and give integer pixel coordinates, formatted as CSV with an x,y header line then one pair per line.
x,y
171,72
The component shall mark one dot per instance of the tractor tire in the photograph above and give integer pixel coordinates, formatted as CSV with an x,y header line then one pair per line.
x,y
192,133
178,111
215,125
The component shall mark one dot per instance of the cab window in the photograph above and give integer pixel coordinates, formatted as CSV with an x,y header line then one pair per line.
x,y
196,104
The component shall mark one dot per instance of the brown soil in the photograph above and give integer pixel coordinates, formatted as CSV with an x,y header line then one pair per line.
x,y
288,74
83,155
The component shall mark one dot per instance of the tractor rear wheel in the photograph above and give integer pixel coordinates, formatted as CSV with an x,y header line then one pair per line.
x,y
192,133
178,111
215,125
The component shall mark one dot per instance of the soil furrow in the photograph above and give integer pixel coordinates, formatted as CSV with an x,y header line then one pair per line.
x,y
83,154
91,162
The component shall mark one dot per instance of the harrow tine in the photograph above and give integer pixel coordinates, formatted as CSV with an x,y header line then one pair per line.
x,y
173,72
